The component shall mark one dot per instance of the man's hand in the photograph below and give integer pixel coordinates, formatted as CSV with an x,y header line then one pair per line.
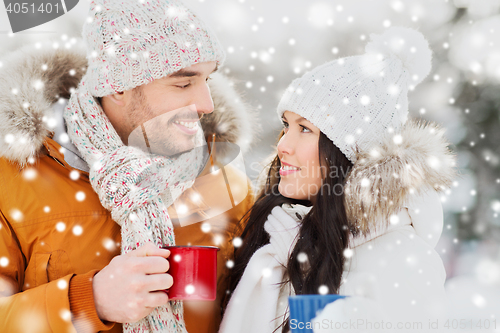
x,y
132,285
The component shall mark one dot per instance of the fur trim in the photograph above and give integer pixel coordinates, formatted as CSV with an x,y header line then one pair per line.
x,y
31,80
383,180
232,120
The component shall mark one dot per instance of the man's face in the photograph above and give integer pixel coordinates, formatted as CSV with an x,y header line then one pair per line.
x,y
165,112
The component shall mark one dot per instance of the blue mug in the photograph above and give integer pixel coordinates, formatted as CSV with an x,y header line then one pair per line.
x,y
303,308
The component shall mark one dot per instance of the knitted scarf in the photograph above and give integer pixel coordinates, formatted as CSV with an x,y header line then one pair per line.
x,y
135,186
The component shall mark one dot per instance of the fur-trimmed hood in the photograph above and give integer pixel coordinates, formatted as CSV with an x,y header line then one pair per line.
x,y
32,80
388,177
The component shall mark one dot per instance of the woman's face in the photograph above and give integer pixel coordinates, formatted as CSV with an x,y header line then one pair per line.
x,y
298,152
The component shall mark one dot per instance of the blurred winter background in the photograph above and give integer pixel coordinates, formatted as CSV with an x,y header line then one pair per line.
x,y
269,43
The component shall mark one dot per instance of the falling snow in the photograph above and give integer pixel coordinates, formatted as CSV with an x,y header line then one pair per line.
x,y
270,45
16,215
80,196
4,261
77,230
323,290
74,175
62,284
302,257
60,226
206,227
237,242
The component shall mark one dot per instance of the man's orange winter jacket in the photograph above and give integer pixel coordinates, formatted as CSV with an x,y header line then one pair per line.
x,y
55,235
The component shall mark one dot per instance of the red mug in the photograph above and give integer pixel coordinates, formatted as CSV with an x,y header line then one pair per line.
x,y
194,271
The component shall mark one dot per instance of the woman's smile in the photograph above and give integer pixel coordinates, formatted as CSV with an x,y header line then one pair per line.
x,y
287,169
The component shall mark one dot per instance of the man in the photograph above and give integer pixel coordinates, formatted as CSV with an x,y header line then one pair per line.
x,y
145,60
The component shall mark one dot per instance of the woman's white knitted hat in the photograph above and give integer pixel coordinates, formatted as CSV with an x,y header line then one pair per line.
x,y
356,100
133,42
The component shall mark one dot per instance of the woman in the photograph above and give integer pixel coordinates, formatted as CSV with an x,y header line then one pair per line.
x,y
350,203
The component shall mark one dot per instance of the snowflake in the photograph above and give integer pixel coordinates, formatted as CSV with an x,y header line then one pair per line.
x,y
365,182
77,230
62,284
218,239
365,100
495,205
108,244
302,257
16,215
349,139
65,315
38,84
182,209
323,290
478,300
393,90
80,195
60,226
74,175
348,253
266,272
190,289
237,242
29,174
4,261
206,227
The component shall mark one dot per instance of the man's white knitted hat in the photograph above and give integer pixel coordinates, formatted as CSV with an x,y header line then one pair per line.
x,y
133,42
356,100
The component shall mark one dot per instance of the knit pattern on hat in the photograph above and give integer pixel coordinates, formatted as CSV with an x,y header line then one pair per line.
x,y
136,187
133,42
354,101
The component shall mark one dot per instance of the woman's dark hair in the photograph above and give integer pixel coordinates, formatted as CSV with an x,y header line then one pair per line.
x,y
323,236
